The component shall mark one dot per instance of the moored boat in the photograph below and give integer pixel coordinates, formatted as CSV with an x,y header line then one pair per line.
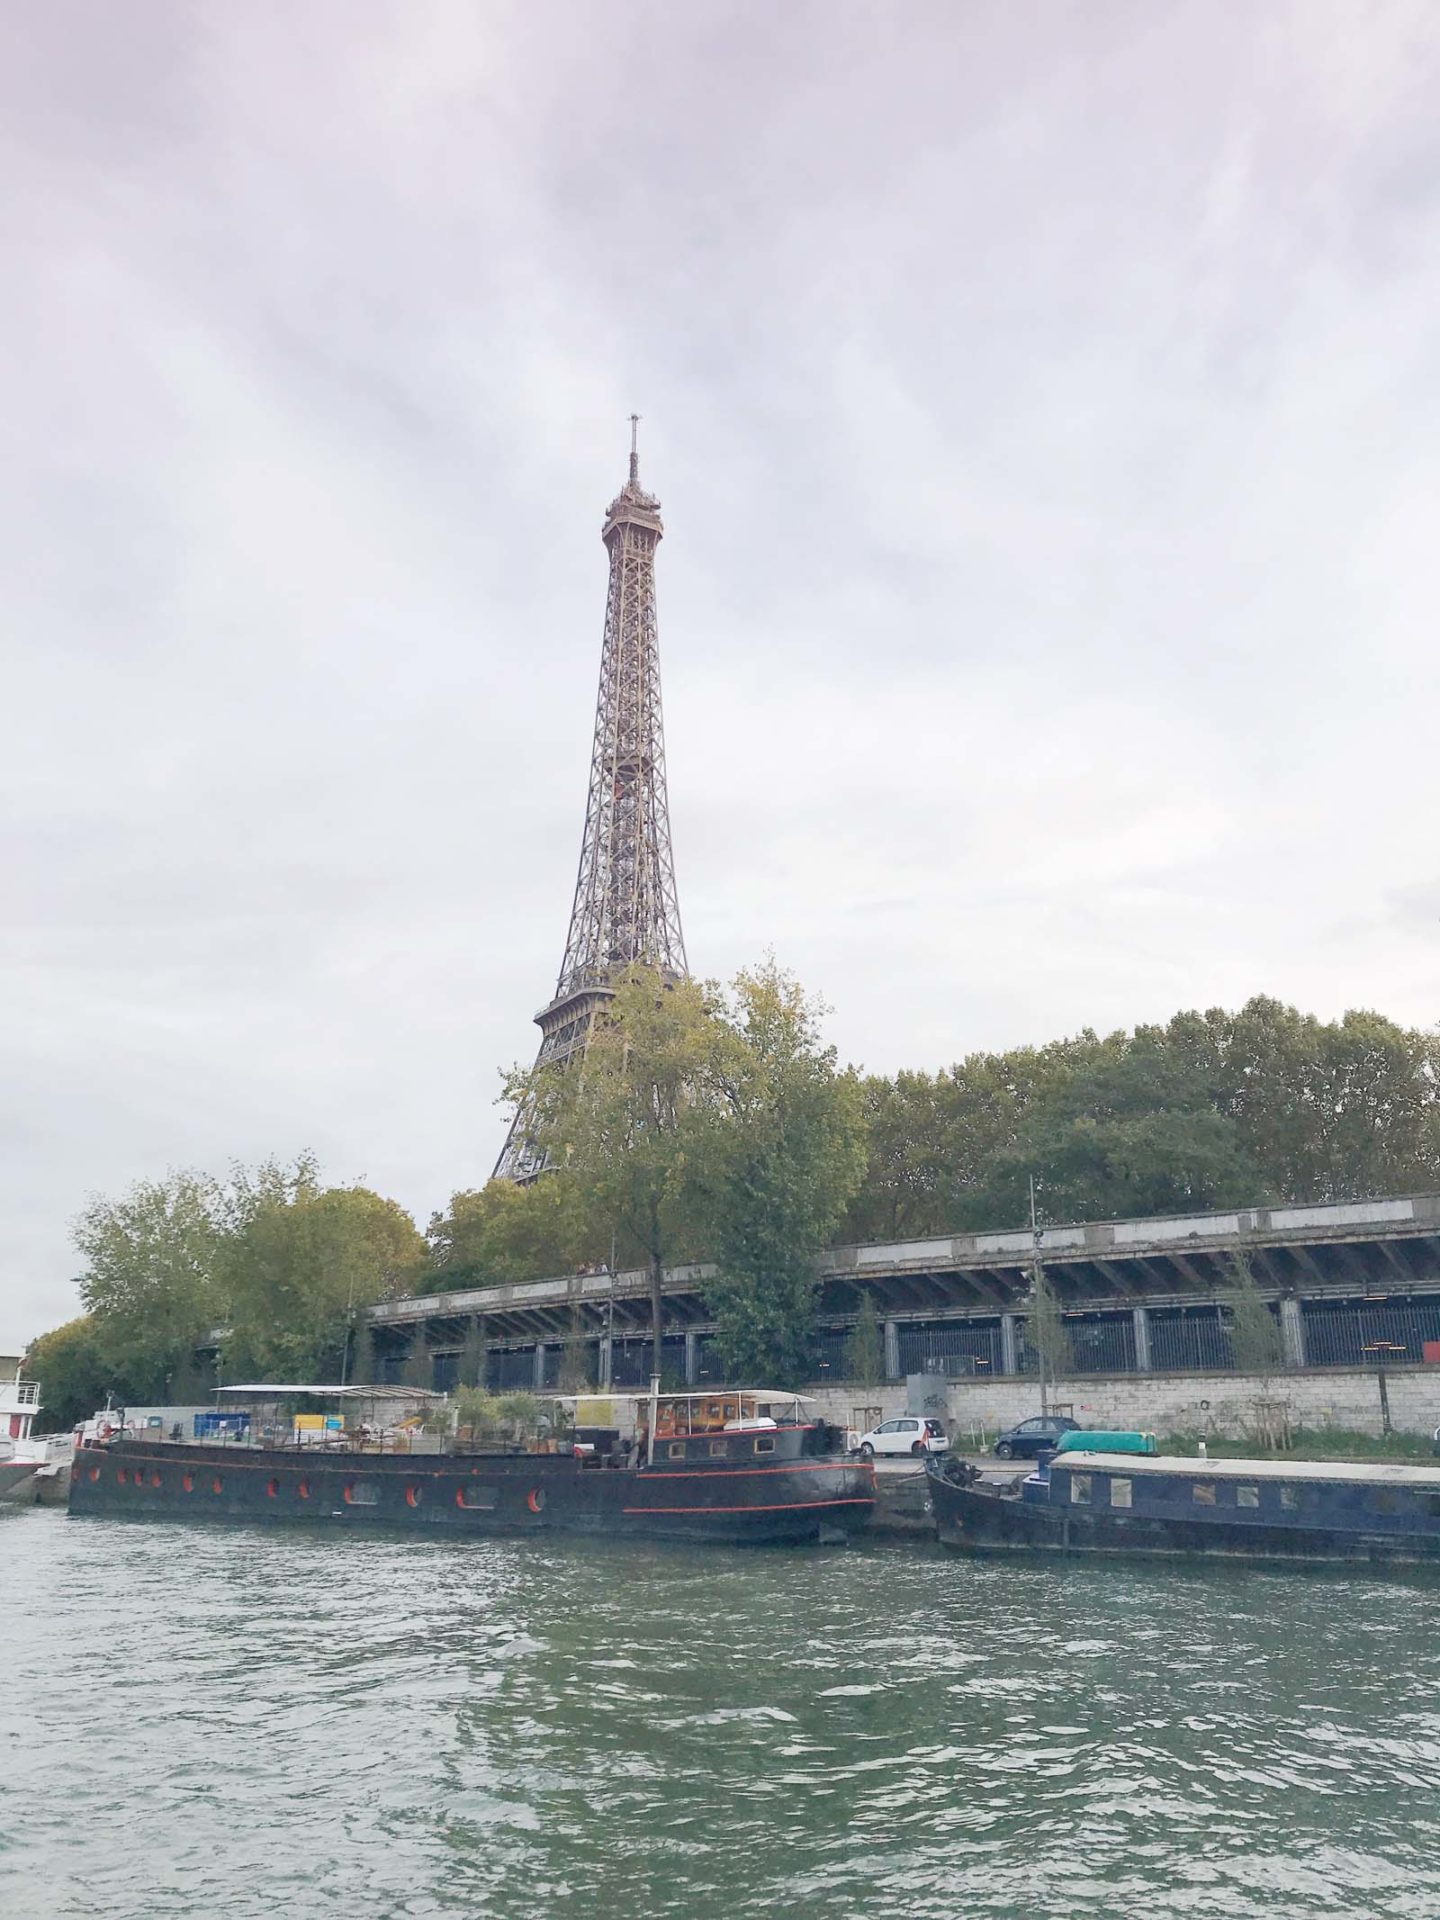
x,y
25,1461
1097,1502
749,1466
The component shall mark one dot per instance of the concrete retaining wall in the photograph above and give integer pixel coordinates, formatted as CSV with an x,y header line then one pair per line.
x,y
1166,1403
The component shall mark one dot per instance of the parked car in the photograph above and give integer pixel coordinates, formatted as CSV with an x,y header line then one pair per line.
x,y
913,1433
1034,1437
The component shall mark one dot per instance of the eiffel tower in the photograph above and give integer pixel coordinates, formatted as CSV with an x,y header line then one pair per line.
x,y
625,910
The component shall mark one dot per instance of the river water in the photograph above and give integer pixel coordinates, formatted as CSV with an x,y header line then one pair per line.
x,y
249,1723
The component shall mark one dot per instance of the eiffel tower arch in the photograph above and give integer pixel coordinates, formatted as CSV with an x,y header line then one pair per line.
x,y
625,911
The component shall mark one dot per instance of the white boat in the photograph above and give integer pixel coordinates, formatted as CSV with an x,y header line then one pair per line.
x,y
27,1464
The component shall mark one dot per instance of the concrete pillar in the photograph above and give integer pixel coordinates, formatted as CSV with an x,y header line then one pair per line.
x,y
692,1358
539,1366
1292,1332
1142,1339
604,1373
1009,1347
892,1350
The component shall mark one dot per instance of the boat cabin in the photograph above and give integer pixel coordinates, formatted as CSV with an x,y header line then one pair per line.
x,y
1337,1496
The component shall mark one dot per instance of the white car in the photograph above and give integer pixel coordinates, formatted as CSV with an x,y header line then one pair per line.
x,y
912,1433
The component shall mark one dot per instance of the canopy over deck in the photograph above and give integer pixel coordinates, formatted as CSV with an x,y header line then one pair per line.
x,y
282,1390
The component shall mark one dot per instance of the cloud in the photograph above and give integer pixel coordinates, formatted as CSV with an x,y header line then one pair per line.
x,y
1048,590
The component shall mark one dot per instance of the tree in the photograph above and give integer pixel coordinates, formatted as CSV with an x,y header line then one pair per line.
x,y
865,1349
473,1355
73,1374
1045,1332
1255,1337
627,1127
299,1270
506,1232
153,1278
784,1159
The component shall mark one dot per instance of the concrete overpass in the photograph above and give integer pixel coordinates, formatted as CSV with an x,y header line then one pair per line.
x,y
1346,1281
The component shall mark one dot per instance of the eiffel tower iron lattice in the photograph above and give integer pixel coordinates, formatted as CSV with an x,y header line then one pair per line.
x,y
625,911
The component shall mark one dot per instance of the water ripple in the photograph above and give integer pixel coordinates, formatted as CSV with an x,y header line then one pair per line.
x,y
201,1723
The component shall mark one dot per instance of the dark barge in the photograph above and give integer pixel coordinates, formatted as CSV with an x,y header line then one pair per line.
x,y
1276,1510
751,1479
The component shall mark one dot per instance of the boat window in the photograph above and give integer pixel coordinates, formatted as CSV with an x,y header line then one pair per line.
x,y
1247,1496
1433,1506
764,1446
1204,1493
362,1493
1385,1500
677,1449
1080,1489
1121,1492
718,1449
471,1494
1290,1497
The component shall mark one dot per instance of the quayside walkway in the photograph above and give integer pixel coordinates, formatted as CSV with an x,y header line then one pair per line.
x,y
1349,1283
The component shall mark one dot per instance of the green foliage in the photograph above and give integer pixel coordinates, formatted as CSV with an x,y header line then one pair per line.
x,y
1045,1332
628,1128
154,1275
299,1268
1255,1337
785,1158
694,1126
473,1356
73,1373
475,1413
503,1232
519,1416
1210,1110
865,1349
268,1257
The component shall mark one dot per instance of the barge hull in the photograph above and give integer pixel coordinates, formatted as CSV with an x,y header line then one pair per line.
x,y
791,1502
977,1522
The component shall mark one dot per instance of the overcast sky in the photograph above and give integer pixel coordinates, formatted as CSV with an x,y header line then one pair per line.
x,y
1043,404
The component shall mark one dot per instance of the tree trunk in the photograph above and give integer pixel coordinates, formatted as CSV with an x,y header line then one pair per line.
x,y
657,1312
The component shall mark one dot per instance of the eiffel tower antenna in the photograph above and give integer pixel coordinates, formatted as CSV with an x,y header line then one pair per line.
x,y
625,911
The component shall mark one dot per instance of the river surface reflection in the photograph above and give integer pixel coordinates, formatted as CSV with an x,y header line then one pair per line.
x,y
249,1723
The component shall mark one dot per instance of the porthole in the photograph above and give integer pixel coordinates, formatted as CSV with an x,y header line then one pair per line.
x,y
123,1477
188,1482
217,1485
155,1480
535,1500
272,1488
94,1473
302,1490
413,1496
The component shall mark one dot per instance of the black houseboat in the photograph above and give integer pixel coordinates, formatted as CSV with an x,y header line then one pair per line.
x,y
735,1466
1112,1503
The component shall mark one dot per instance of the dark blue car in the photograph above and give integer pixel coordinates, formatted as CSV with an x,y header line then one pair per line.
x,y
1034,1437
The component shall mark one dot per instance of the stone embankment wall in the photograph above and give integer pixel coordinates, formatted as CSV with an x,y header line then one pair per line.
x,y
1221,1403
